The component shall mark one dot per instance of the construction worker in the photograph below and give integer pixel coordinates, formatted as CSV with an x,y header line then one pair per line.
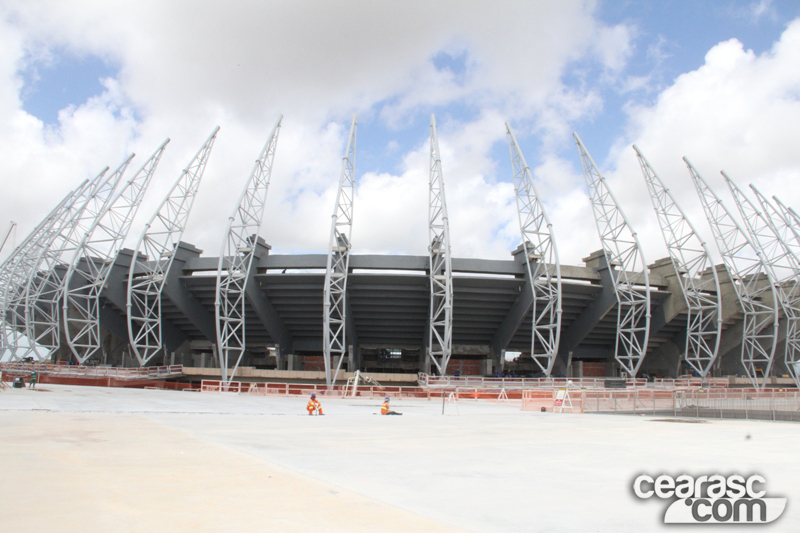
x,y
32,384
314,405
385,410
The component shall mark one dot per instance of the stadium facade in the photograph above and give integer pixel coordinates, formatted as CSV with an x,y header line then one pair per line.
x,y
71,292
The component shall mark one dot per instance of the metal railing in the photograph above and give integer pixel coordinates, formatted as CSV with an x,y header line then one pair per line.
x,y
363,391
148,372
426,380
697,403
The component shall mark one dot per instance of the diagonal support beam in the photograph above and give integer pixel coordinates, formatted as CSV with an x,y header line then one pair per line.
x,y
263,307
115,292
175,291
596,311
513,320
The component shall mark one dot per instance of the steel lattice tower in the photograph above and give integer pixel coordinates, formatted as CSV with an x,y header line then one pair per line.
x,y
236,258
43,297
440,337
92,262
541,260
749,278
338,265
691,259
154,254
627,265
16,271
781,264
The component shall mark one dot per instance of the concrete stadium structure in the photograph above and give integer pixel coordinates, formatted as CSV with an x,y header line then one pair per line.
x,y
72,288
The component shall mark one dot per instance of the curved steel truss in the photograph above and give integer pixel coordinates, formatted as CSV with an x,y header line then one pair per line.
x,y
20,267
92,262
338,265
627,265
780,262
236,258
750,280
440,336
43,298
544,268
154,254
788,219
695,271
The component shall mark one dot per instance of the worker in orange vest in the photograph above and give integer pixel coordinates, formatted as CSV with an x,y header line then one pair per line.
x,y
314,405
385,410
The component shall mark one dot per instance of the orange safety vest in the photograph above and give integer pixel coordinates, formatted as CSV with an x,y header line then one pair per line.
x,y
385,408
312,405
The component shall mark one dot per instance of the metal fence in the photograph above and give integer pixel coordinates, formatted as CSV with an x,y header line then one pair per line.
x,y
481,382
147,372
363,391
697,403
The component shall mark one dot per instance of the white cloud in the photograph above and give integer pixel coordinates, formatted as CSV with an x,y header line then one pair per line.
x,y
739,112
187,66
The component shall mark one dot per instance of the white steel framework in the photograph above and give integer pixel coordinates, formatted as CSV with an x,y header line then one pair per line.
x,y
338,265
154,255
440,336
789,219
627,265
92,262
236,259
25,270
44,293
541,253
11,227
16,271
750,281
695,272
781,264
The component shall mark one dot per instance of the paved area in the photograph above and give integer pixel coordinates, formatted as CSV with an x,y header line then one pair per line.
x,y
97,459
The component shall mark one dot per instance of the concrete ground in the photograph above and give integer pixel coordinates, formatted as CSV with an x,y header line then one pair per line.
x,y
98,459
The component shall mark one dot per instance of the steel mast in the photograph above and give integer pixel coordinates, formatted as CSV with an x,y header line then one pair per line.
x,y
43,296
541,253
789,218
236,258
781,264
440,337
11,227
627,265
691,259
24,270
14,274
98,250
336,270
748,275
154,254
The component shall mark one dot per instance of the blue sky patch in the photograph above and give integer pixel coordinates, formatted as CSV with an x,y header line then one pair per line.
x,y
63,81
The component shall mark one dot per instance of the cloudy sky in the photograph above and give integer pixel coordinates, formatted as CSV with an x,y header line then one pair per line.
x,y
83,83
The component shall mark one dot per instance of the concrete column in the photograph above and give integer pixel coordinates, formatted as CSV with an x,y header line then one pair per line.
x,y
292,362
351,359
425,361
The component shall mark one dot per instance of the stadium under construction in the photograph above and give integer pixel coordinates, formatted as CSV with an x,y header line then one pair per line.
x,y
71,292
